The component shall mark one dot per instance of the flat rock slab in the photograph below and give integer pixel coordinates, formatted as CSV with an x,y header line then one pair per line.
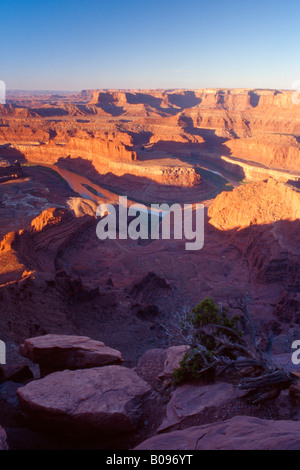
x,y
238,433
194,400
59,352
110,399
3,443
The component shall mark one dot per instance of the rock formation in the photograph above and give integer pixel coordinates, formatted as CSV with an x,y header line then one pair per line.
x,y
255,204
59,352
156,366
105,400
238,433
114,130
65,294
268,213
190,403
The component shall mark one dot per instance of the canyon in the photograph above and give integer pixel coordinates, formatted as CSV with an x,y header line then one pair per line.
x,y
237,152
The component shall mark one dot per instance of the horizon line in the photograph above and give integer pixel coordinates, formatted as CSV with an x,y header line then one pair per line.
x,y
39,90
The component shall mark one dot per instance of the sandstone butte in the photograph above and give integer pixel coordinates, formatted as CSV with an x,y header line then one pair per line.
x,y
84,304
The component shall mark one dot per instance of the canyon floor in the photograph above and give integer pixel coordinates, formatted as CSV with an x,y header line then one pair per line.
x,y
237,152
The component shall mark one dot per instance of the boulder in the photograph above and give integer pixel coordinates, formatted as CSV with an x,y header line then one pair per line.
x,y
195,402
238,433
59,352
156,366
108,400
3,443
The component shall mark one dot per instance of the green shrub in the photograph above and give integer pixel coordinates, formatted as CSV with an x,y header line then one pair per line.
x,y
194,365
208,324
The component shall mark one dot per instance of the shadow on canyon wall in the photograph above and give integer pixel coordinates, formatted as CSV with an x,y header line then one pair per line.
x,y
11,154
187,151
50,112
272,255
175,103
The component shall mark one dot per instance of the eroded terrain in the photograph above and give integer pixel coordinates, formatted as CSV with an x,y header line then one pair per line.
x,y
235,151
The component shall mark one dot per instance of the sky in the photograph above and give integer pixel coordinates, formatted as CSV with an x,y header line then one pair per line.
x,y
75,45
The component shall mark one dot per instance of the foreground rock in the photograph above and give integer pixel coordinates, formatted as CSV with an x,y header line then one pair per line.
x,y
3,444
156,366
201,403
59,352
238,433
111,399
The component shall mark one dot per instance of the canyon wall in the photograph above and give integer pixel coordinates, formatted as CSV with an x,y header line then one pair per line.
x,y
238,130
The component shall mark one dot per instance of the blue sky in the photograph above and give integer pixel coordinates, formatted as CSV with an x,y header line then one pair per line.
x,y
74,45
